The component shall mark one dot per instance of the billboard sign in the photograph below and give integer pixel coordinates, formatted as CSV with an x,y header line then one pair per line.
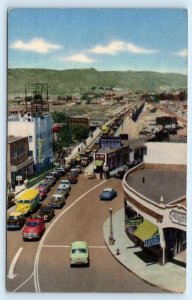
x,y
110,142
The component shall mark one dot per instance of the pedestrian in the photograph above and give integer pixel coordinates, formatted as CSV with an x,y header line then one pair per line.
x,y
9,187
13,186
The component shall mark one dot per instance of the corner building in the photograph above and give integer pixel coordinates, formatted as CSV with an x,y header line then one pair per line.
x,y
155,201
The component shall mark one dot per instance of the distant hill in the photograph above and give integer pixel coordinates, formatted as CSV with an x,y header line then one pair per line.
x,y
62,82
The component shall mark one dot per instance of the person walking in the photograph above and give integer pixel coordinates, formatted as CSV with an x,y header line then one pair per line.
x,y
13,186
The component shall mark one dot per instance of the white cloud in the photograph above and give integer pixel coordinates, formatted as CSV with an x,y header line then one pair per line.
x,y
112,48
120,46
139,50
36,45
82,58
182,53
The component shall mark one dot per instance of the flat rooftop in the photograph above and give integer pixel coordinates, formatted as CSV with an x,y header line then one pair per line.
x,y
169,184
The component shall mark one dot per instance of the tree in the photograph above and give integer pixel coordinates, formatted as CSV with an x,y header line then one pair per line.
x,y
80,132
59,117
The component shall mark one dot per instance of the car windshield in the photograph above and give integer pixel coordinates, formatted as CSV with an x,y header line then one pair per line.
x,y
11,218
45,209
79,250
54,199
32,224
24,201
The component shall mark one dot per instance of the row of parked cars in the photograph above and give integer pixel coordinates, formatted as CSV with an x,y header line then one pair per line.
x,y
30,203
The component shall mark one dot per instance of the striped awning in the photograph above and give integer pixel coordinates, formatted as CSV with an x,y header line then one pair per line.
x,y
99,163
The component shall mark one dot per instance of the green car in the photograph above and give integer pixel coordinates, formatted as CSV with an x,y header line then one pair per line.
x,y
79,254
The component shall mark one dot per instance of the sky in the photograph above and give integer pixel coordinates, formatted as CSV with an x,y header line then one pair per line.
x,y
104,39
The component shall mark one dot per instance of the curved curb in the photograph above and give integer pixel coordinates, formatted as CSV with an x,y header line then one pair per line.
x,y
131,270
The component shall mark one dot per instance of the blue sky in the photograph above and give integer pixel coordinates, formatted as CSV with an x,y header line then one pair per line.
x,y
105,39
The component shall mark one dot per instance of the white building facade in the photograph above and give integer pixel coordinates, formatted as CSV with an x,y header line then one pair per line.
x,y
38,129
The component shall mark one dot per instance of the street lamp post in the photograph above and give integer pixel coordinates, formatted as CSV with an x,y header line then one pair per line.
x,y
111,238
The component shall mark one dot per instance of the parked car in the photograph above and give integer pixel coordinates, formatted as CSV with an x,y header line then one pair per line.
x,y
72,177
62,190
74,170
42,193
60,171
67,166
73,162
44,185
57,201
91,175
66,183
108,194
84,161
50,179
54,174
15,220
79,254
79,169
10,200
33,229
46,212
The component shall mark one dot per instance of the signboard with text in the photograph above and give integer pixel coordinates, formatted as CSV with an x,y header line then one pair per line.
x,y
110,142
99,156
178,217
133,221
155,240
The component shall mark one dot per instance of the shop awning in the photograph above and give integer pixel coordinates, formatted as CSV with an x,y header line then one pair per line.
x,y
99,163
146,230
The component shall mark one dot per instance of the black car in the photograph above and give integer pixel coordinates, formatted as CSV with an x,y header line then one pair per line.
x,y
54,174
60,171
15,221
46,212
120,174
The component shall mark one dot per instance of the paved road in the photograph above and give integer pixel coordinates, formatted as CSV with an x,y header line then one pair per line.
x,y
44,266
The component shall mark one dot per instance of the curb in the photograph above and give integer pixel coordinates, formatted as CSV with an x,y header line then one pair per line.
x,y
111,250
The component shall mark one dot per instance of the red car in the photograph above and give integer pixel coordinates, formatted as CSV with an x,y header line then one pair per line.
x,y
34,229
42,193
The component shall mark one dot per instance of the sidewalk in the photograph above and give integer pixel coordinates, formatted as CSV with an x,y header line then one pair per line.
x,y
170,277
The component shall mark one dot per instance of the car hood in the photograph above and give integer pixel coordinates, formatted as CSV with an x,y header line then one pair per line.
x,y
23,208
31,230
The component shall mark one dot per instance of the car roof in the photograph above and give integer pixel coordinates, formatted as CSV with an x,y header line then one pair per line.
x,y
57,195
108,190
34,220
78,244
65,180
60,187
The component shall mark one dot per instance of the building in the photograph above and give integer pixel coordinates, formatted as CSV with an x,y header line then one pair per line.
x,y
38,129
155,201
19,163
80,121
115,153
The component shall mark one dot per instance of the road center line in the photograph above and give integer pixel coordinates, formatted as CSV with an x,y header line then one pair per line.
x,y
36,274
64,246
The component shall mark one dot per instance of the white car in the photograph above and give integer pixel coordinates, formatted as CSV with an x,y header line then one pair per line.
x,y
66,183
61,190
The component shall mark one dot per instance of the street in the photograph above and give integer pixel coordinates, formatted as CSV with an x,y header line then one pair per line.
x,y
44,266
